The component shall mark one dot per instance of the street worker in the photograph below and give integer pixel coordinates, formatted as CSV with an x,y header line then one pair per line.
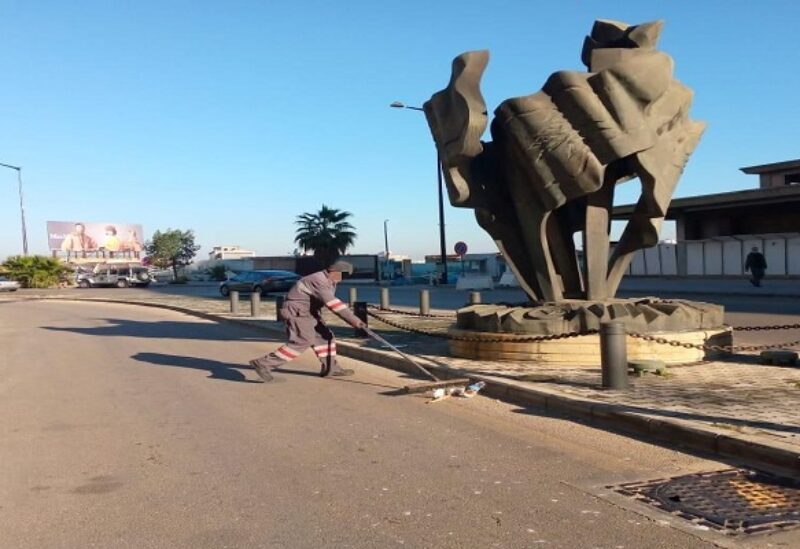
x,y
302,313
757,265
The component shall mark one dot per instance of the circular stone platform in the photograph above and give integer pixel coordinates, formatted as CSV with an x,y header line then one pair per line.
x,y
585,350
494,330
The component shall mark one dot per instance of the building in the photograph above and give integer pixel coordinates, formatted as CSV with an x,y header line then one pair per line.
x,y
365,267
221,253
716,231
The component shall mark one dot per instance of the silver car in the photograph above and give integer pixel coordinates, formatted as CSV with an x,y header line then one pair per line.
x,y
7,285
120,276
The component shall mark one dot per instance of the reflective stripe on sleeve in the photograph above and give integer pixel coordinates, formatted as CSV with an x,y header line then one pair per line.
x,y
336,305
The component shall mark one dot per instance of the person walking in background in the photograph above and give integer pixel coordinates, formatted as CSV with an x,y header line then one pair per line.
x,y
302,313
757,265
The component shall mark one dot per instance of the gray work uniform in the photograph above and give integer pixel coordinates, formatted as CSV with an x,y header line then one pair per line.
x,y
302,313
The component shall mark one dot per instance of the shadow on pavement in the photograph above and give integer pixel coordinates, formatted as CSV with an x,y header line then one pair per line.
x,y
216,369
163,330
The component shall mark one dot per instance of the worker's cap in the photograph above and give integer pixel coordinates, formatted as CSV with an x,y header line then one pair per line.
x,y
341,267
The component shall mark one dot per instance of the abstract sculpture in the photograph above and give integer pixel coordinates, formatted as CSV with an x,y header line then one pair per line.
x,y
557,155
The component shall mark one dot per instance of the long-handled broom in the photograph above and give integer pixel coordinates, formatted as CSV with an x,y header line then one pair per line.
x,y
420,387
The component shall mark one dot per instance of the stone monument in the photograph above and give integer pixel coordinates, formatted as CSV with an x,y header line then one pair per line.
x,y
550,172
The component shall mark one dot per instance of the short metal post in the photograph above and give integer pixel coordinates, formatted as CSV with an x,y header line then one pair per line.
x,y
255,304
424,302
360,310
353,297
384,298
474,298
278,306
613,355
234,297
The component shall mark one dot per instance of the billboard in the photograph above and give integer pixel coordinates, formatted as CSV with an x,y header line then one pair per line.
x,y
78,237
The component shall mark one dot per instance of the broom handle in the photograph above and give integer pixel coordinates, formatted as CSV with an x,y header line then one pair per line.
x,y
379,339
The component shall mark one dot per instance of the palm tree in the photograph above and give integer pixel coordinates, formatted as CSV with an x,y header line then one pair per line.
x,y
326,232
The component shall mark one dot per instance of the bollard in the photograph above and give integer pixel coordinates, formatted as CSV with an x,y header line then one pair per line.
x,y
424,302
234,297
360,310
278,306
353,297
255,304
613,355
474,298
384,298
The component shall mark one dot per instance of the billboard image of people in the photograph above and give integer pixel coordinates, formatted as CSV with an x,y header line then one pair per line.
x,y
79,239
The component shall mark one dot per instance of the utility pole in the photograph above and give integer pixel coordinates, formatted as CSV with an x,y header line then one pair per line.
x,y
442,240
21,207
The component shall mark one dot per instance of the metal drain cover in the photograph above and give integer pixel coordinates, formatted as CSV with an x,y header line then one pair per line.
x,y
734,501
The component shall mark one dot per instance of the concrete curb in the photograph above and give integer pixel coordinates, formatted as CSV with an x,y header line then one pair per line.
x,y
667,430
671,431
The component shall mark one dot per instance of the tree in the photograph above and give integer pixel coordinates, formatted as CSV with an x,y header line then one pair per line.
x,y
35,271
172,248
217,272
327,233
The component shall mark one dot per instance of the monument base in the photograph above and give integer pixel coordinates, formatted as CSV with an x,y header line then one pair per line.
x,y
494,330
585,350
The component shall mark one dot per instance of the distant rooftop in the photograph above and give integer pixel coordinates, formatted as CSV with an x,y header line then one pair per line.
x,y
774,167
747,198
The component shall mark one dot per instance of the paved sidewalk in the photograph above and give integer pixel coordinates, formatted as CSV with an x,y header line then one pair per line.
x,y
735,408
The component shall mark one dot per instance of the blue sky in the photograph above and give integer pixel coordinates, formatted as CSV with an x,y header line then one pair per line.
x,y
231,118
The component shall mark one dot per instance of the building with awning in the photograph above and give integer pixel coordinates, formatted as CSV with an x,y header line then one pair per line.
x,y
716,231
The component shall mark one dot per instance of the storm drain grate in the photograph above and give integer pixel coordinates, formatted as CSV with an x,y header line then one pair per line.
x,y
734,501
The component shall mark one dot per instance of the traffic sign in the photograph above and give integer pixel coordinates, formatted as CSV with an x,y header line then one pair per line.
x,y
461,248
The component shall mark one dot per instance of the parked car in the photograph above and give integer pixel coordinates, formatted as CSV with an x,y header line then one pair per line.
x,y
120,276
262,282
7,285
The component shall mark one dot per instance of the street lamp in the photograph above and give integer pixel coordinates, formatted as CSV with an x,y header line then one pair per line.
x,y
386,247
442,240
21,208
386,239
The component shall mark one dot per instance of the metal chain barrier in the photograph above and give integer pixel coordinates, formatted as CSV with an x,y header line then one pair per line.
x,y
410,313
728,348
765,328
720,348
507,339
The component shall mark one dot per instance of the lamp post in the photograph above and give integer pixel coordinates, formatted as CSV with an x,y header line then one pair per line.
x,y
386,247
386,239
442,240
21,208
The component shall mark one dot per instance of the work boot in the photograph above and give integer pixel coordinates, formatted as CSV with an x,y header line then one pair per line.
x,y
261,369
342,372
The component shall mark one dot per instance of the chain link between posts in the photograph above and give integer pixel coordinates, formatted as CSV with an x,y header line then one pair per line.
x,y
510,338
507,338
410,313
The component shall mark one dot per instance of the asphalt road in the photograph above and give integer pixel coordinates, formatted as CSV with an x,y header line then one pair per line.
x,y
450,298
134,427
739,310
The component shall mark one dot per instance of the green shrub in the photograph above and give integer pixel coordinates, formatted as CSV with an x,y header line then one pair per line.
x,y
35,271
